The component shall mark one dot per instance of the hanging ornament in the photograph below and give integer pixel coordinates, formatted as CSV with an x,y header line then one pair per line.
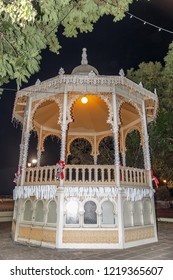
x,y
17,174
60,173
154,178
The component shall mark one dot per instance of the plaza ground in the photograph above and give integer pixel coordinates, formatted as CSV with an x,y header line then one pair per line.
x,y
162,250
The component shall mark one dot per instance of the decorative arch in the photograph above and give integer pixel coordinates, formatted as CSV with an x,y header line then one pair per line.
x,y
130,130
102,155
73,138
108,212
38,104
72,211
28,211
147,211
127,210
45,136
86,158
104,97
52,213
90,212
123,100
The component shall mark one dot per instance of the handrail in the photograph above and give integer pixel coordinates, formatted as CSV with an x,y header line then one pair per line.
x,y
86,175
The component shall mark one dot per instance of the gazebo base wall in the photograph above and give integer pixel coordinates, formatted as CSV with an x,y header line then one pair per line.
x,y
95,224
85,239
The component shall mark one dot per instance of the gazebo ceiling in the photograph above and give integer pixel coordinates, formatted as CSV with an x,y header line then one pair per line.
x,y
128,114
87,118
47,115
90,117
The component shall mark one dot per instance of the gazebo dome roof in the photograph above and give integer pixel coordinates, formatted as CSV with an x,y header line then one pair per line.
x,y
84,68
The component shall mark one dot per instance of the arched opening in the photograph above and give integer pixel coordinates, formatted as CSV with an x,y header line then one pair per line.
x,y
52,147
39,214
147,212
131,151
134,152
72,212
127,213
80,152
137,216
32,148
52,215
108,216
106,151
90,215
27,216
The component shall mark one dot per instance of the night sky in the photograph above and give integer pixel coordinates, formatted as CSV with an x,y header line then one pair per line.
x,y
110,47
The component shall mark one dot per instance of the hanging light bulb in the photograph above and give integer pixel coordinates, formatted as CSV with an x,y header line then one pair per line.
x,y
84,100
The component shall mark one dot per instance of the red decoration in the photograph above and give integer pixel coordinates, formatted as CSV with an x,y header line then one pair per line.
x,y
17,174
154,178
60,173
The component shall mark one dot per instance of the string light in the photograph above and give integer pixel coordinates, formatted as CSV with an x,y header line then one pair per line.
x,y
149,23
159,28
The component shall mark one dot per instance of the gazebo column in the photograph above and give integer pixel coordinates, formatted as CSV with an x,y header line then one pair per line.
x,y
146,150
25,139
39,151
117,170
123,149
147,162
60,190
95,150
64,127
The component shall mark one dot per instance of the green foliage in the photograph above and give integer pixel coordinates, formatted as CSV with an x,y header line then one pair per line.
x,y
80,152
134,153
162,193
154,75
106,151
27,27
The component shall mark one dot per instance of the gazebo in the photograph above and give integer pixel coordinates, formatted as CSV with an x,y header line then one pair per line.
x,y
84,205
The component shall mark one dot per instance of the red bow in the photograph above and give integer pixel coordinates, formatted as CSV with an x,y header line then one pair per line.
x,y
154,178
60,173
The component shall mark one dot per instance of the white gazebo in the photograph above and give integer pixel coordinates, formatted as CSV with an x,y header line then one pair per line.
x,y
94,205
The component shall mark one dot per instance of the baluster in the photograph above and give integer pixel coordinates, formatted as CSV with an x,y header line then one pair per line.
x,y
89,175
70,174
127,176
77,174
138,176
102,175
32,176
109,175
130,171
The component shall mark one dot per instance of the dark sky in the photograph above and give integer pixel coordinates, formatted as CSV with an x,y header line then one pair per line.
x,y
110,47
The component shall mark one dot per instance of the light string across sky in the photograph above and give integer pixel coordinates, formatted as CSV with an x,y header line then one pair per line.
x,y
159,28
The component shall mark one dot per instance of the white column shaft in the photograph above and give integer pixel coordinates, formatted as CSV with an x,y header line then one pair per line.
x,y
117,166
25,138
64,127
60,214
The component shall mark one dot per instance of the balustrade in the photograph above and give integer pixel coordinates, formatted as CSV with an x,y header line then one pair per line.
x,y
86,175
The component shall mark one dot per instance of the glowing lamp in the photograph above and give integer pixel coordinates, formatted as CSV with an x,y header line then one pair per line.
x,y
164,181
84,100
34,161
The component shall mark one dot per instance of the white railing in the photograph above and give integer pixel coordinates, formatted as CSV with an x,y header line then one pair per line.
x,y
86,175
133,176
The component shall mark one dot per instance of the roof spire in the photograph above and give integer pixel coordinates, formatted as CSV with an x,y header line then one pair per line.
x,y
84,60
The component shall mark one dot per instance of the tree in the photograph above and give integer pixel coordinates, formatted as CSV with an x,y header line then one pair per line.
x,y
154,75
27,27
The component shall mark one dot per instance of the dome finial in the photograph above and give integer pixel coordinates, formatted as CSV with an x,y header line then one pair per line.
x,y
84,57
